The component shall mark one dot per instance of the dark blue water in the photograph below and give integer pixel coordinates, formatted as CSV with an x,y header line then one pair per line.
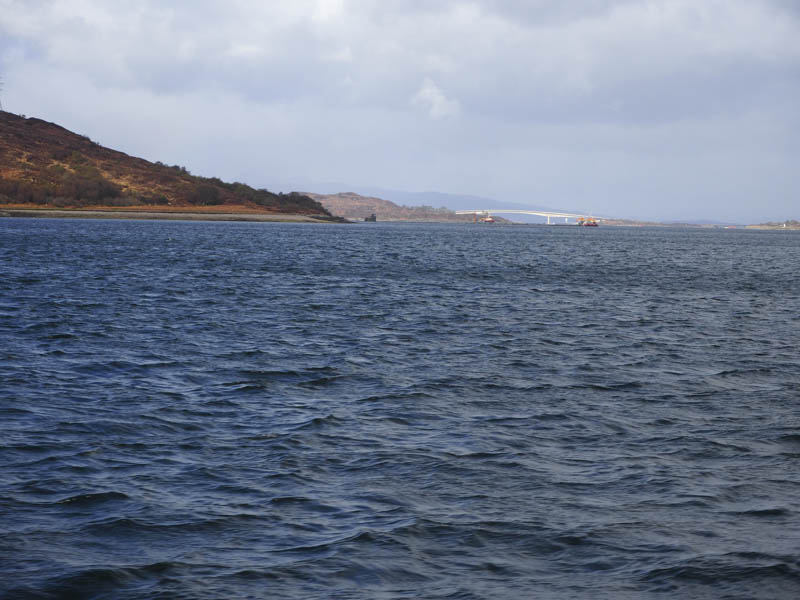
x,y
241,410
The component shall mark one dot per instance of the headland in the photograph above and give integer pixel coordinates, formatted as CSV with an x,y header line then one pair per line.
x,y
47,170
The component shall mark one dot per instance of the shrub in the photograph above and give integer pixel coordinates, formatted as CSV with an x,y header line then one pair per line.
x,y
205,195
59,154
76,158
87,185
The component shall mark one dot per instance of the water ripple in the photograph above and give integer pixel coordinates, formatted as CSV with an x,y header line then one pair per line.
x,y
232,410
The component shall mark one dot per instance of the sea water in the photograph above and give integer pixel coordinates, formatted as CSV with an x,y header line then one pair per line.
x,y
247,410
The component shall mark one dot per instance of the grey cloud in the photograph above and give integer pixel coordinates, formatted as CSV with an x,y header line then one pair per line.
x,y
790,8
517,68
545,12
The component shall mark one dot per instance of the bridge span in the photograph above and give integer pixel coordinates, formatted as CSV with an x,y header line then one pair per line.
x,y
566,216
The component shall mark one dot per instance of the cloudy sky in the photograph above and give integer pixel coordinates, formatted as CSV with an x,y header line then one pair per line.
x,y
656,109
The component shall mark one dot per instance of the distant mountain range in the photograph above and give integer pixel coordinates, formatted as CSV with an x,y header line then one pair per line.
x,y
467,202
428,198
356,207
46,166
444,200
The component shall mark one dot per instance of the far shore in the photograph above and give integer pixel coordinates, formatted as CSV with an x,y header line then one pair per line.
x,y
238,214
247,213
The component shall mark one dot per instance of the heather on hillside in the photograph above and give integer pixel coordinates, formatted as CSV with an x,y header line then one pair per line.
x,y
46,165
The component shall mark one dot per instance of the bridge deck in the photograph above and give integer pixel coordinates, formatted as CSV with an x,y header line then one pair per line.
x,y
539,213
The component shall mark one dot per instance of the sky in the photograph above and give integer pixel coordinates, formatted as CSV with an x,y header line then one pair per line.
x,y
645,109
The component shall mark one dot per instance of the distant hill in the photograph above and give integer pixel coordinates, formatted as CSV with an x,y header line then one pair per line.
x,y
456,201
45,165
430,198
356,207
788,224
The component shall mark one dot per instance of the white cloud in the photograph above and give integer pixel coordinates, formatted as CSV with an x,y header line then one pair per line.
x,y
325,10
431,98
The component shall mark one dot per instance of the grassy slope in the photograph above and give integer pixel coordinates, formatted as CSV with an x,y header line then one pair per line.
x,y
45,165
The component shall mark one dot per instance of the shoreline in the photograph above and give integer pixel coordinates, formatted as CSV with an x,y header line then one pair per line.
x,y
102,213
242,214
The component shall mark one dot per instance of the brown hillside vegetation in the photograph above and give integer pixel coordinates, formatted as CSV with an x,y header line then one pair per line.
x,y
356,208
47,166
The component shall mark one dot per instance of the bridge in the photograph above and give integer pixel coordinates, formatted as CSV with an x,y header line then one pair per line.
x,y
540,213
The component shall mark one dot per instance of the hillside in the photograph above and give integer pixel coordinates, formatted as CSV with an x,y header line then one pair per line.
x,y
47,166
355,207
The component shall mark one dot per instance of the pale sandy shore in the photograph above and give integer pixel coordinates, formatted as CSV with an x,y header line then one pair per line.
x,y
172,216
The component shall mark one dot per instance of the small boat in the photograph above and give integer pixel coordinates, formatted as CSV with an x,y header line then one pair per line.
x,y
371,219
587,222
